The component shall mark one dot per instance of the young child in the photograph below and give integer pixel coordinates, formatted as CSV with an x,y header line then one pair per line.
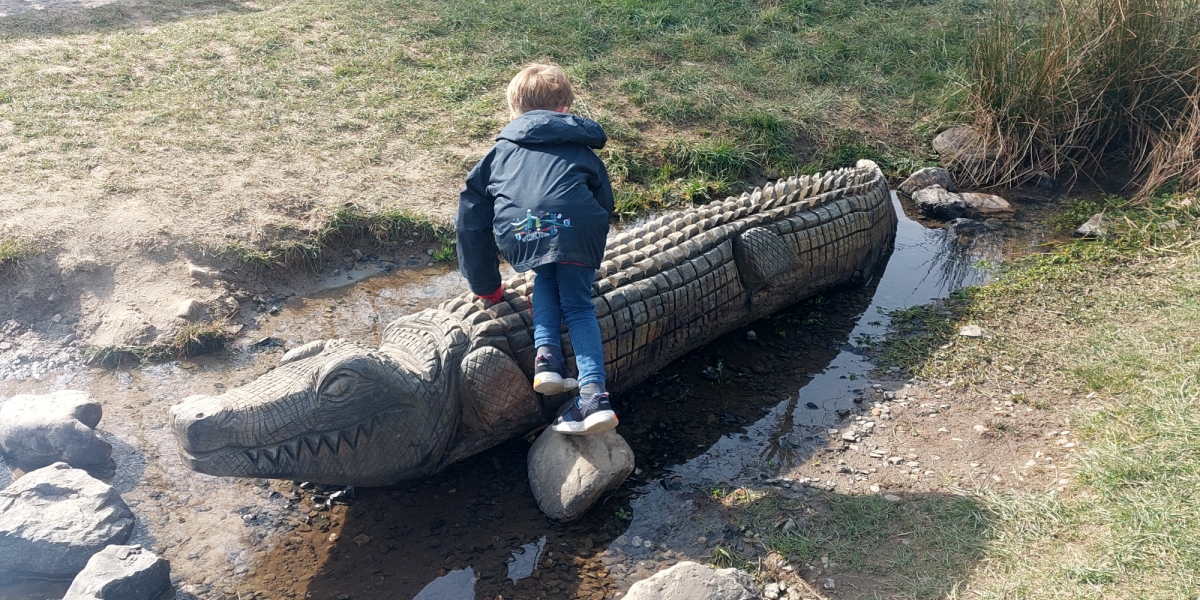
x,y
543,196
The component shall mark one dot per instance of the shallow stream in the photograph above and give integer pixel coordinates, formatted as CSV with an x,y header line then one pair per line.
x,y
743,408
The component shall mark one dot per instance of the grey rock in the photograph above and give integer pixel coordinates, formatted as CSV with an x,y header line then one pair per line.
x,y
122,573
1093,229
963,144
691,581
191,310
935,201
37,430
569,473
926,177
54,519
972,331
986,205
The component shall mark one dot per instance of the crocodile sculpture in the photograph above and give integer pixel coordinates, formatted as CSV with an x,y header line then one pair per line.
x,y
451,381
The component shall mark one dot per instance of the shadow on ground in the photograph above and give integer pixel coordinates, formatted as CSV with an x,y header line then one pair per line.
x,y
682,424
72,19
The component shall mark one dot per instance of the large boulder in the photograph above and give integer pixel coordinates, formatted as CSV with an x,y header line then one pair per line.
x,y
54,519
936,202
986,205
36,431
691,581
963,144
122,573
926,177
569,473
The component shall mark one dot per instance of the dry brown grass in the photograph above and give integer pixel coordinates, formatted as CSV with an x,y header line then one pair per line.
x,y
1095,87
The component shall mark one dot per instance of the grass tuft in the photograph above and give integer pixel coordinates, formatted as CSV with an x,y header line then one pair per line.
x,y
194,339
386,229
1086,86
12,253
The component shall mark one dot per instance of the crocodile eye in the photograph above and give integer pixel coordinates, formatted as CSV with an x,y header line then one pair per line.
x,y
338,388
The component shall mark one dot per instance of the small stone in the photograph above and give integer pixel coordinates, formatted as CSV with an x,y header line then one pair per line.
x,y
829,584
973,331
771,591
1093,229
891,498
980,429
874,488
751,336
191,310
362,539
688,580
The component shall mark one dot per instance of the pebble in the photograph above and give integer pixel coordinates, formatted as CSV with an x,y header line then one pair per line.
x,y
971,331
829,584
891,498
751,336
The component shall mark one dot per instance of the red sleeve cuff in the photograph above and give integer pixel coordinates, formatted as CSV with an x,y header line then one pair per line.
x,y
495,296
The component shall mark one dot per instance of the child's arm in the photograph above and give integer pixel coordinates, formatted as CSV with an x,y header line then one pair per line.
x,y
477,260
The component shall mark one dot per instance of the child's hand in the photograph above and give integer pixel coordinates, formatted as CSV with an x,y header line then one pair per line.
x,y
495,296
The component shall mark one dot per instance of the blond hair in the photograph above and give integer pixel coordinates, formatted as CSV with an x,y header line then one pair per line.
x,y
539,87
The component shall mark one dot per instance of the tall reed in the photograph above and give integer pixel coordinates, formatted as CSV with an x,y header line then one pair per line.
x,y
1088,87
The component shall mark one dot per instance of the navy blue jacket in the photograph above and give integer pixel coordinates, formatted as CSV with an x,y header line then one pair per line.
x,y
541,195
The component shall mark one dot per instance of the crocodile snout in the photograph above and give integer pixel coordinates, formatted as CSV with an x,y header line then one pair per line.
x,y
200,422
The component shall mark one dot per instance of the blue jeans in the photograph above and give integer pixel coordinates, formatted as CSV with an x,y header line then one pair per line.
x,y
563,292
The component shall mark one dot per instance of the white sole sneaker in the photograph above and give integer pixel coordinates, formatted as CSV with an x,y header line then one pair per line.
x,y
597,422
551,383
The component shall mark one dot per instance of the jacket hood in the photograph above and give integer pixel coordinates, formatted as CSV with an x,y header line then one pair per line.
x,y
550,127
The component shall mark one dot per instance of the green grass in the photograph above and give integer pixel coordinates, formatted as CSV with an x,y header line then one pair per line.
x,y
921,547
12,253
699,96
1105,333
387,229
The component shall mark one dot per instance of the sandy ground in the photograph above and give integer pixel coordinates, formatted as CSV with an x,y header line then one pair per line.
x,y
12,7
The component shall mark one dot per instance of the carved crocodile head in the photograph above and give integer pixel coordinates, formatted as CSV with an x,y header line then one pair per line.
x,y
333,412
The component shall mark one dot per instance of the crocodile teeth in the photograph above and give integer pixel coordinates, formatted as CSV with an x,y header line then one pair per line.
x,y
312,443
291,449
349,438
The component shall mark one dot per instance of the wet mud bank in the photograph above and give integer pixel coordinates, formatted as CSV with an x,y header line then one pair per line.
x,y
742,411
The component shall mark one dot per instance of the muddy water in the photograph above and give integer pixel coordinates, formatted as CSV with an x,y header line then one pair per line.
x,y
741,409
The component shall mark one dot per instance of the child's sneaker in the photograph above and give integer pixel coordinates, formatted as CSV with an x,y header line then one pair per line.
x,y
548,376
580,417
